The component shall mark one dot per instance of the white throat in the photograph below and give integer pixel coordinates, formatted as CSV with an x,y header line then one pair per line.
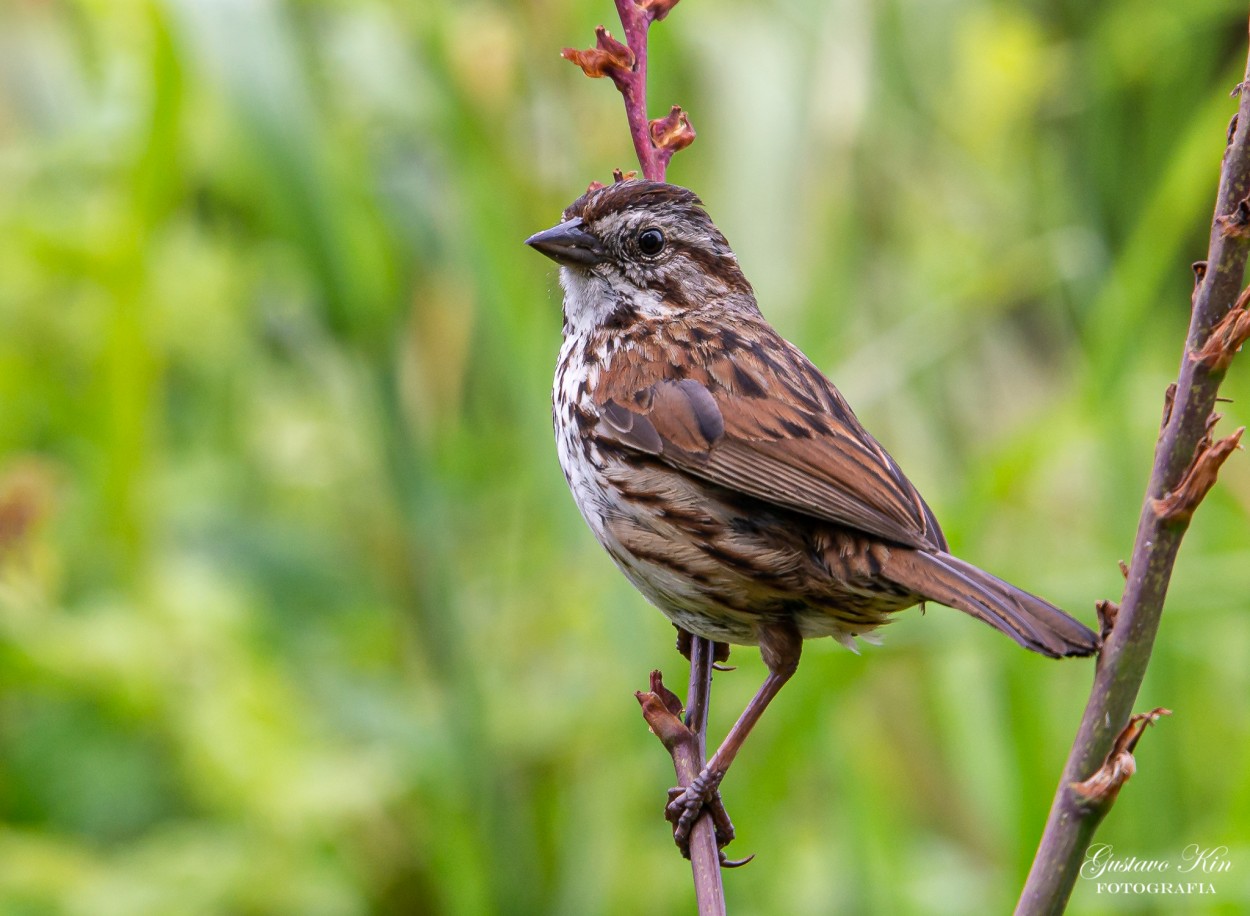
x,y
590,299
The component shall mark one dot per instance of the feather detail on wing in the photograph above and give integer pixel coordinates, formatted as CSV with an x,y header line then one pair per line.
x,y
799,446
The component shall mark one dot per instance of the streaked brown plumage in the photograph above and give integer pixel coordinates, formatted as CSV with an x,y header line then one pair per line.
x,y
726,476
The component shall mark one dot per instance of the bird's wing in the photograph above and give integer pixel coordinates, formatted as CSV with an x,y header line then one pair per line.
x,y
778,431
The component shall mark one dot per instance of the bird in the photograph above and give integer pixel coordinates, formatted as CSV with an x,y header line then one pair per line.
x,y
724,474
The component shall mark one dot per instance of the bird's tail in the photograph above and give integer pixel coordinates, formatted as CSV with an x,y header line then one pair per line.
x,y
1030,621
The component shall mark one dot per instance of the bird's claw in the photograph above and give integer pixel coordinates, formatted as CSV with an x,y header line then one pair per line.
x,y
686,804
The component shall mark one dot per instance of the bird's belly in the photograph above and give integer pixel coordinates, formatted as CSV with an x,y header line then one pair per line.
x,y
734,614
717,565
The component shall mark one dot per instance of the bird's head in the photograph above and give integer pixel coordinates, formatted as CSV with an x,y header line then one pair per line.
x,y
638,249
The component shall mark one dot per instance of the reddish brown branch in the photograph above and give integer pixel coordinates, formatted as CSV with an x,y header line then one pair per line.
x,y
684,741
626,65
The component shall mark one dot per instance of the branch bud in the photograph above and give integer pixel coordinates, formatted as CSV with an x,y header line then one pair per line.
x,y
1178,504
671,701
1169,401
1236,224
1227,337
656,9
1108,611
608,58
671,731
1103,786
673,132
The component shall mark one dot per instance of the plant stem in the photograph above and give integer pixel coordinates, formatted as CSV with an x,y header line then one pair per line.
x,y
704,853
636,23
1182,441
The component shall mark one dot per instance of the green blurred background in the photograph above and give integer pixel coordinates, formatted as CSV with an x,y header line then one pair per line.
x,y
296,615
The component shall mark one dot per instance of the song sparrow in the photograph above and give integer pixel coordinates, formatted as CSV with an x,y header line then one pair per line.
x,y
725,475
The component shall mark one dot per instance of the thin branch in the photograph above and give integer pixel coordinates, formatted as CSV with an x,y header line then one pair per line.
x,y
684,741
636,23
1186,461
626,65
704,851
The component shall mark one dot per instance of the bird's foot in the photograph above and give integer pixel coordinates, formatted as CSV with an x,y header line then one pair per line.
x,y
720,650
685,805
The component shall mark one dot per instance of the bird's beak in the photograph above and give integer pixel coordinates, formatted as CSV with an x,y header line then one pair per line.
x,y
569,244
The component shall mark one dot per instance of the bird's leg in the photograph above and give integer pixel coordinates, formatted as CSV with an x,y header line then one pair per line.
x,y
696,724
780,645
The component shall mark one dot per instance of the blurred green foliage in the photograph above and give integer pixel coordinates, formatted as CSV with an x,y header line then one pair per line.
x,y
295,614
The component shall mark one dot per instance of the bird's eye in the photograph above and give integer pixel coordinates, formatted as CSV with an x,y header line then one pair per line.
x,y
651,241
